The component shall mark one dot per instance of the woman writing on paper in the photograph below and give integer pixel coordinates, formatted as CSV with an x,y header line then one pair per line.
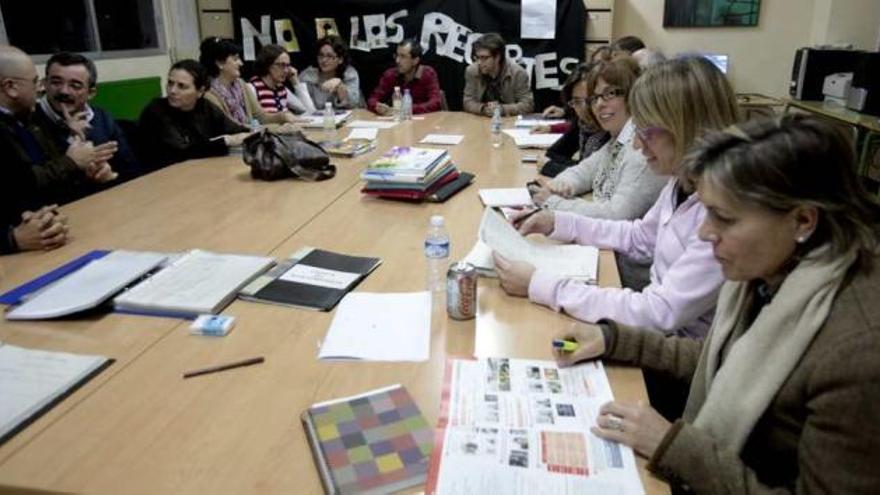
x,y
685,277
183,126
785,390
230,93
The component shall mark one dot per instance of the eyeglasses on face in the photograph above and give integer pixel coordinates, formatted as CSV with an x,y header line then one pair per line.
x,y
647,134
608,95
576,102
281,65
327,56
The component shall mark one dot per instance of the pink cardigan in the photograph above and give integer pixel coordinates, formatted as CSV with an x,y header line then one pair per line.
x,y
685,276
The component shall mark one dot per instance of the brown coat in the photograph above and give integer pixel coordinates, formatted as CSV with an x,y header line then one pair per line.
x,y
820,434
516,94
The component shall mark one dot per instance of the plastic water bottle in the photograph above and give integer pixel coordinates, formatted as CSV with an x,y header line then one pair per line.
x,y
329,122
255,125
396,103
496,127
406,106
437,254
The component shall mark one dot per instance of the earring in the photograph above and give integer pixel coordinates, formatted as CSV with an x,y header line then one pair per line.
x,y
801,239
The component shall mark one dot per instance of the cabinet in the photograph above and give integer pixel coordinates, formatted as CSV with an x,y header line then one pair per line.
x,y
215,18
598,28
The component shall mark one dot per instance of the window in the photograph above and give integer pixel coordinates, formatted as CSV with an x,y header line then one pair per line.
x,y
103,28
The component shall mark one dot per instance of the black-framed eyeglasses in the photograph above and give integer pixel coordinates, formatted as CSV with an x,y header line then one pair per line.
x,y
281,65
608,95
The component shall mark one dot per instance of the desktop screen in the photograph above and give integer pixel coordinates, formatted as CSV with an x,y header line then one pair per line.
x,y
720,60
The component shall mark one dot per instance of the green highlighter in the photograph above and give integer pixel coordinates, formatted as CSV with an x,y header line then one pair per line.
x,y
565,345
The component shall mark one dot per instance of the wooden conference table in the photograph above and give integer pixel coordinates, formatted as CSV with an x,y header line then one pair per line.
x,y
138,427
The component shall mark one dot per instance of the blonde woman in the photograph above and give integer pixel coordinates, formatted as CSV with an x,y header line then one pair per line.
x,y
671,103
785,390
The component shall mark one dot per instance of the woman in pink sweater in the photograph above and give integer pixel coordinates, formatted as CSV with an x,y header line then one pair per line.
x,y
672,103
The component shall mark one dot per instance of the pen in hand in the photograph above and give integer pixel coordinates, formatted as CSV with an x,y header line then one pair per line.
x,y
223,367
518,221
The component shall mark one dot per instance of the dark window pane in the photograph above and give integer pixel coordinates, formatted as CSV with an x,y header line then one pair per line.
x,y
126,24
47,26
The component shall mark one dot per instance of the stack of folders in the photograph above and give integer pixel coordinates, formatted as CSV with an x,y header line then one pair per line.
x,y
190,284
311,278
410,173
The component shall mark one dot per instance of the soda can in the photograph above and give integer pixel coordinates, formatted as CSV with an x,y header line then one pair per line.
x,y
461,291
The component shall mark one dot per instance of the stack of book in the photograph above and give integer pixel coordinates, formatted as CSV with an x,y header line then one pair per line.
x,y
409,173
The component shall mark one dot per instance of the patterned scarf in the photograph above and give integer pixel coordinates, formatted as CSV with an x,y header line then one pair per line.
x,y
233,96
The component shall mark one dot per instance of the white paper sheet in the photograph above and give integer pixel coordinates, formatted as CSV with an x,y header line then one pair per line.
x,y
30,379
525,139
517,426
321,277
521,122
566,260
451,139
510,196
538,19
380,327
363,133
371,124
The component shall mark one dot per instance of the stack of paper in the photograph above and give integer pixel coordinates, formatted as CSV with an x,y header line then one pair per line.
x,y
198,282
409,173
32,381
524,138
513,196
315,120
566,260
448,139
380,327
536,120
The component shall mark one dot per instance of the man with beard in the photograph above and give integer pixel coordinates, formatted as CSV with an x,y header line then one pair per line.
x,y
65,115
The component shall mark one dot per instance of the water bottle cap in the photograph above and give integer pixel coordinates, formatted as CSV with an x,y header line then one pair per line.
x,y
328,105
437,220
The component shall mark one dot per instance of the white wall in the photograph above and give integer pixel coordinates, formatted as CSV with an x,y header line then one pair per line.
x,y
761,56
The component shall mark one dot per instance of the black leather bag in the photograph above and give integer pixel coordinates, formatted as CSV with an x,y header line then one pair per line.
x,y
279,156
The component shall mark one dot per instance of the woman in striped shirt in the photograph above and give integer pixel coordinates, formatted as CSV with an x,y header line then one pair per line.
x,y
272,70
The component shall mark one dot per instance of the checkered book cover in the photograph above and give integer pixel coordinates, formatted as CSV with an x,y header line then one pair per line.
x,y
374,443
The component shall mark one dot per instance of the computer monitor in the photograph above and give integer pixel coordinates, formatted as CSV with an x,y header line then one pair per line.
x,y
719,59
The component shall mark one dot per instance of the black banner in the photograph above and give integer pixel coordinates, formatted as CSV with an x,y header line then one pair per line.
x,y
445,28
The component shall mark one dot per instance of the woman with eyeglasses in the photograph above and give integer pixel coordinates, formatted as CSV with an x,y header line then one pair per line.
x,y
785,390
233,96
671,104
182,125
334,79
581,135
617,174
272,73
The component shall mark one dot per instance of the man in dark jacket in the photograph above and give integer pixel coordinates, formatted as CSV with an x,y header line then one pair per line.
x,y
34,175
65,115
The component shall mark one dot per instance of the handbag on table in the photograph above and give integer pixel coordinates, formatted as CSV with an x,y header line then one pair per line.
x,y
279,156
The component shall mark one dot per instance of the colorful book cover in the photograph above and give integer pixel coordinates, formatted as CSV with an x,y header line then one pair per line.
x,y
406,159
374,443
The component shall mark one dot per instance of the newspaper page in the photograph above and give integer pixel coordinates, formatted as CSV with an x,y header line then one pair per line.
x,y
523,427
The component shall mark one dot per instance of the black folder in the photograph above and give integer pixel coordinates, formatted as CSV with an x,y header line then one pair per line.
x,y
312,295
